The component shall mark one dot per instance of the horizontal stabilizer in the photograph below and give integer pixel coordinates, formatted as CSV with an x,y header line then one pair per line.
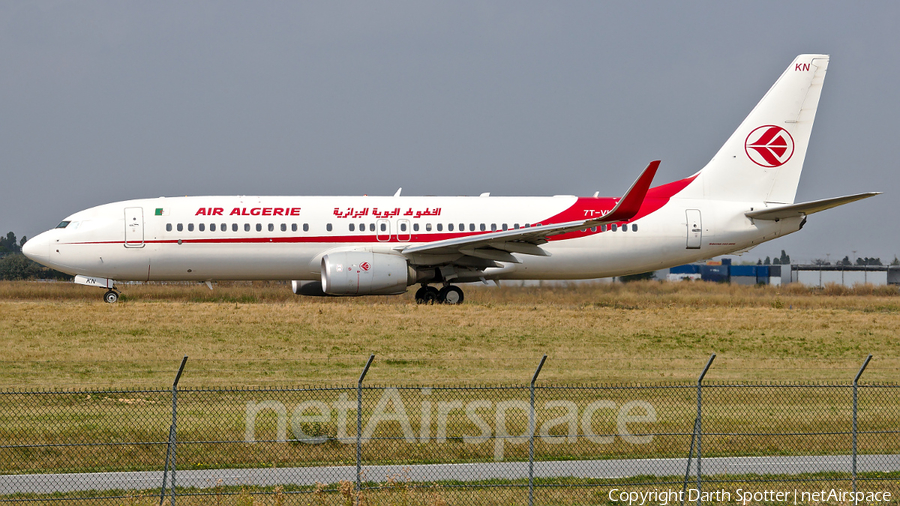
x,y
805,208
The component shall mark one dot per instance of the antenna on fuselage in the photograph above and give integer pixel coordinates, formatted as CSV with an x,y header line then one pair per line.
x,y
398,191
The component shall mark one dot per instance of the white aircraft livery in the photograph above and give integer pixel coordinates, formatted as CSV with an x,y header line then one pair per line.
x,y
368,245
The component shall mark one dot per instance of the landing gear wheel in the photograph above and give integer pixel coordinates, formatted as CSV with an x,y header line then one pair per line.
x,y
427,295
450,295
430,296
111,297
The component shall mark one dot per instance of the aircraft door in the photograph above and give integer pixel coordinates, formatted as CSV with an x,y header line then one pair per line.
x,y
403,233
694,228
383,230
134,227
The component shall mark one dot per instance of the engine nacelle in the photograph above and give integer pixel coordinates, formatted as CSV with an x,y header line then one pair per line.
x,y
310,288
365,273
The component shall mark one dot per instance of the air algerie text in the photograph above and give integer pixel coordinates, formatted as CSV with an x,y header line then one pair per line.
x,y
252,211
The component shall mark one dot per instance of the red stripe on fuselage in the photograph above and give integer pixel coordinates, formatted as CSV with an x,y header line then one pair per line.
x,y
656,198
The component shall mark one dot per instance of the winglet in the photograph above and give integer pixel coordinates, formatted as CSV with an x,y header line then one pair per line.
x,y
630,203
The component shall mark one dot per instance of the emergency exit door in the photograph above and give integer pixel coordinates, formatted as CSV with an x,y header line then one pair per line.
x,y
694,229
134,227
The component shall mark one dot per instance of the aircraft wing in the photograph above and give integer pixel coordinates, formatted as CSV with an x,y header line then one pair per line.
x,y
527,241
805,208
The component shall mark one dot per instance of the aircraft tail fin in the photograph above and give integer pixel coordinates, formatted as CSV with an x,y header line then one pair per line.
x,y
763,158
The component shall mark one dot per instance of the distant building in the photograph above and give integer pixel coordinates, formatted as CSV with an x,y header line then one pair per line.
x,y
809,275
845,275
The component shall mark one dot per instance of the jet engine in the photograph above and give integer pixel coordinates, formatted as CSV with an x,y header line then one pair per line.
x,y
365,273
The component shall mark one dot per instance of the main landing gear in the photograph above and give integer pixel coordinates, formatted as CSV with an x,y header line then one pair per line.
x,y
447,295
111,297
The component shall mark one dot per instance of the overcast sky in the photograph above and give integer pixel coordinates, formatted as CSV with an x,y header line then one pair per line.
x,y
107,101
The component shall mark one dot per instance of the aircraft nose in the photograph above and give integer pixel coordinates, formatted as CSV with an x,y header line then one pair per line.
x,y
37,248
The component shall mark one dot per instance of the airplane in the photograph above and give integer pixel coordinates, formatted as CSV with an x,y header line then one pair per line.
x,y
381,245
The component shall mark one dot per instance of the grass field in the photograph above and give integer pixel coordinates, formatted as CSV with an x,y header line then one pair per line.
x,y
62,336
59,335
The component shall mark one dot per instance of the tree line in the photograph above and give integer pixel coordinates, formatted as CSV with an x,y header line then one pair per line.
x,y
785,259
15,266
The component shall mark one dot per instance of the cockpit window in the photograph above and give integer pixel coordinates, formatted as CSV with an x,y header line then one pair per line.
x,y
63,224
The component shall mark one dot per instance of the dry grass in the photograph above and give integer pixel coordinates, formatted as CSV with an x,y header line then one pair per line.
x,y
61,335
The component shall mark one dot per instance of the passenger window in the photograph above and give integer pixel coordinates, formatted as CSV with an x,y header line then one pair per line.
x,y
483,227
593,229
293,227
371,227
634,227
306,227
224,227
168,227
383,227
440,227
450,227
234,227
428,227
180,227
271,227
415,227
403,227
190,227
516,226
284,227
201,227
259,227
362,227
505,228
471,227
328,227
613,227
212,227
352,227
246,227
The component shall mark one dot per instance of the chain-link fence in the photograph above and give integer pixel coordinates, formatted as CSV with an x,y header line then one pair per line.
x,y
523,444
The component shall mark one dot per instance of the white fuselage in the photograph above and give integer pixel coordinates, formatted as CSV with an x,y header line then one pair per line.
x,y
257,238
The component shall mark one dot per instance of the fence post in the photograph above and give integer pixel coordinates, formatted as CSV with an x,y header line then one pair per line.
x,y
173,438
855,384
696,436
700,426
359,426
531,427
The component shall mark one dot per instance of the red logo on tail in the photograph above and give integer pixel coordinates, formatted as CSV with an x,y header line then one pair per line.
x,y
769,146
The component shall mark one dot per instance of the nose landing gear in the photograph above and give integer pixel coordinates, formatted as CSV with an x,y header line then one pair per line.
x,y
447,295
